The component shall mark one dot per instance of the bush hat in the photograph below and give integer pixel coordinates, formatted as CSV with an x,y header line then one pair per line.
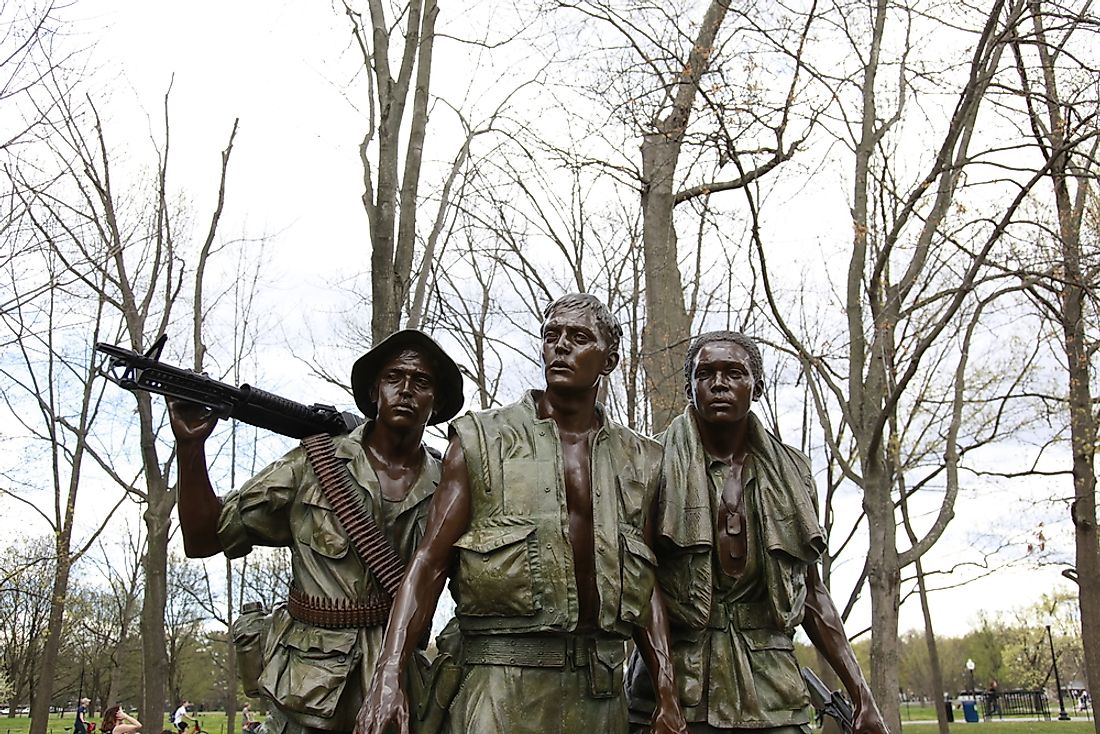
x,y
448,379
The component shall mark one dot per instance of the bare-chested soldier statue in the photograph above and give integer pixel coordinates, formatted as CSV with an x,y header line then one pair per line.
x,y
738,538
322,645
542,514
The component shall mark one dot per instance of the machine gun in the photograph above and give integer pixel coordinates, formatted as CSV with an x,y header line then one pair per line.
x,y
133,371
829,703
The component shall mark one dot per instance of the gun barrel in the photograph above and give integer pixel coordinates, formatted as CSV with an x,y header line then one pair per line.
x,y
287,417
134,371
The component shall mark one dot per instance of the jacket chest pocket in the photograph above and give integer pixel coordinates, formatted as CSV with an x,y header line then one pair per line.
x,y
634,498
496,572
684,576
638,571
318,528
528,485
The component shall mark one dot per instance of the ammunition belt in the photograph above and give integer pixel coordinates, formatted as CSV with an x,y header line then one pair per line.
x,y
369,543
338,613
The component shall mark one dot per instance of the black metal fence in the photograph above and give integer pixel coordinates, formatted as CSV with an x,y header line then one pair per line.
x,y
1015,703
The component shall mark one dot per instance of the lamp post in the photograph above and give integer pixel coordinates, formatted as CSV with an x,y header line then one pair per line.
x,y
1062,715
970,672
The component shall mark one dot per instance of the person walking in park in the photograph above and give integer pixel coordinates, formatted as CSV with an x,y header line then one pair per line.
x,y
80,726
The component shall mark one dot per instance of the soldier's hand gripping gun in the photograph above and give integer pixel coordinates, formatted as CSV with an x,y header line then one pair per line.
x,y
134,371
829,703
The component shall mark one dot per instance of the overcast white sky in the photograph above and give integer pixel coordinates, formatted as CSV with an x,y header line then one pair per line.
x,y
284,68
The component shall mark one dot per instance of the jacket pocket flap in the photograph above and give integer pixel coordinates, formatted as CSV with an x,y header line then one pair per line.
x,y
767,640
638,547
318,640
486,540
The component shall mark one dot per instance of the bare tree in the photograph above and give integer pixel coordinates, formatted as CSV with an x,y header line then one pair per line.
x,y
53,393
25,579
712,94
1059,73
110,618
918,273
120,247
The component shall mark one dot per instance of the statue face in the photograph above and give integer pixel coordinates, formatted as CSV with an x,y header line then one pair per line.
x,y
722,385
574,353
405,390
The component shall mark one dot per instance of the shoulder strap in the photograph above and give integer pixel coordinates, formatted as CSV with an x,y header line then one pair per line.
x,y
368,541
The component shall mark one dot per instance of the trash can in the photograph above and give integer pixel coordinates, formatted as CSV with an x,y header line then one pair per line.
x,y
948,708
970,711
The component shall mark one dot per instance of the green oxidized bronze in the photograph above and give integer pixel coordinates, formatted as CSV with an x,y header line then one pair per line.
x,y
515,569
738,542
307,668
732,639
314,656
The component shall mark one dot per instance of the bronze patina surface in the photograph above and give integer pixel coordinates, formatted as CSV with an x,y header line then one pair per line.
x,y
542,514
320,649
738,542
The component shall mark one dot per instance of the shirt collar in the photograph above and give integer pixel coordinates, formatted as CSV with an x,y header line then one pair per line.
x,y
349,446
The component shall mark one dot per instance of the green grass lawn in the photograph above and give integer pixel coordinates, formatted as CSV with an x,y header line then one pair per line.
x,y
1077,726
212,722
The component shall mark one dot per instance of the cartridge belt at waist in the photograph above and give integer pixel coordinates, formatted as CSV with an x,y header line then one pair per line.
x,y
338,613
542,651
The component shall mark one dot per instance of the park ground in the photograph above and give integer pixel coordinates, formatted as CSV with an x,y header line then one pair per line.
x,y
214,722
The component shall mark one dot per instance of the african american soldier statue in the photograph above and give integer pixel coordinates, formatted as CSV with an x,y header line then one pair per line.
x,y
738,540
322,645
541,521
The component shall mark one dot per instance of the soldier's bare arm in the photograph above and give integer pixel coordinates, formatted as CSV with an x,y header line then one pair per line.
x,y
654,644
823,626
386,703
199,506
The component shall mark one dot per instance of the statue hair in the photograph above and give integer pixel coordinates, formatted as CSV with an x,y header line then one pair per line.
x,y
756,362
610,329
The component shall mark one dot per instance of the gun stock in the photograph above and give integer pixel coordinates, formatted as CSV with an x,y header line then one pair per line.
x,y
145,372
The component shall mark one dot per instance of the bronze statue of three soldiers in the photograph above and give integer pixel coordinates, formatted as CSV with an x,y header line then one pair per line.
x,y
563,535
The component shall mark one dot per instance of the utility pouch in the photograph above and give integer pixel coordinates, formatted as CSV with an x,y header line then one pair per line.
x,y
432,686
249,635
605,668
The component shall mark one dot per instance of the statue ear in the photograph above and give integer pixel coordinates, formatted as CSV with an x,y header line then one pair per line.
x,y
758,390
611,363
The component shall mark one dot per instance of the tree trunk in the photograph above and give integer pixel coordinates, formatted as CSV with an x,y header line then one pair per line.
x,y
1083,440
1072,297
935,669
41,698
668,323
884,580
230,657
667,326
153,647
